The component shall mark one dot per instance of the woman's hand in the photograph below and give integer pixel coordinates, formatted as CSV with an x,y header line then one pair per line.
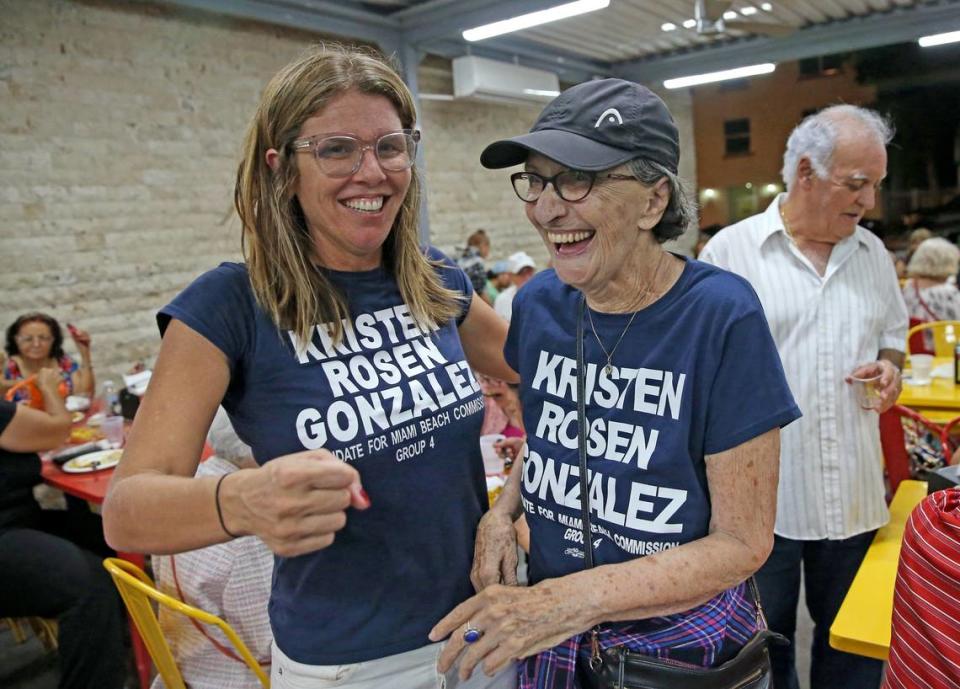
x,y
295,503
510,448
495,552
81,338
516,623
48,381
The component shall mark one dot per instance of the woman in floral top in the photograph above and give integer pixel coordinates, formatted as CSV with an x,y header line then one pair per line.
x,y
35,342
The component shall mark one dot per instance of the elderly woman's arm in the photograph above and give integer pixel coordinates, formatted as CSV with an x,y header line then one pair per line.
x,y
294,503
519,622
483,334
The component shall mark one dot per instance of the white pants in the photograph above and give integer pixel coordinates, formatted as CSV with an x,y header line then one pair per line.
x,y
411,670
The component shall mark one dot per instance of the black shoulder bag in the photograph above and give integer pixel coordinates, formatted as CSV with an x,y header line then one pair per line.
x,y
619,668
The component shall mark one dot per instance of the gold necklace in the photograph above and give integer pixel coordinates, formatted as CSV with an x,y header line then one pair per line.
x,y
786,226
608,369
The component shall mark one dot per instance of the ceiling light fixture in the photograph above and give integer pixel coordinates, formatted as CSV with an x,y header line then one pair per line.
x,y
748,10
541,92
730,14
939,39
766,7
710,77
525,21
668,26
690,23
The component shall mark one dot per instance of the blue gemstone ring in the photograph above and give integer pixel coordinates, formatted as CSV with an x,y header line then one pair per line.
x,y
471,634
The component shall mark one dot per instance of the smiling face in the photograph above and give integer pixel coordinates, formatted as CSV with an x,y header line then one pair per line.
x,y
838,202
349,218
595,241
35,341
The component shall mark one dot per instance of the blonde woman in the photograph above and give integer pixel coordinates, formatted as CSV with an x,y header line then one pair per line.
x,y
342,351
928,293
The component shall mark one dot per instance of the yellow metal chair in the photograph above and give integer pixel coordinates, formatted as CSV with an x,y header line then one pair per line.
x,y
946,336
137,591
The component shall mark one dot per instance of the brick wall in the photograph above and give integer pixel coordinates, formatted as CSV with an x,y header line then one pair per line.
x,y
119,134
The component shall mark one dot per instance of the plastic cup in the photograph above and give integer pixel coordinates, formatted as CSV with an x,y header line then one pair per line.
x,y
867,391
920,367
492,462
112,428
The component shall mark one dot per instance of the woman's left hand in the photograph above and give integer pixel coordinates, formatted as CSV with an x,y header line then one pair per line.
x,y
80,337
515,623
495,552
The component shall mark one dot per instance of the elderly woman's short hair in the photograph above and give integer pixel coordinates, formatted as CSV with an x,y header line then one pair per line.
x,y
934,258
815,138
681,211
225,442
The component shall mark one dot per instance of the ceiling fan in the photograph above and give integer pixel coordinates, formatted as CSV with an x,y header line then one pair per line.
x,y
711,22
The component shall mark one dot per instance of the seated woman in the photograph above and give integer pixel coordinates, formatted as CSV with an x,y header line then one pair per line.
x,y
230,580
50,561
35,342
928,293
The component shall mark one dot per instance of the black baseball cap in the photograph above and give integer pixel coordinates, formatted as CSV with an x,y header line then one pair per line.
x,y
595,126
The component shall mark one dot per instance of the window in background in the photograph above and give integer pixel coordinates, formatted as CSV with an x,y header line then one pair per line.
x,y
736,134
821,66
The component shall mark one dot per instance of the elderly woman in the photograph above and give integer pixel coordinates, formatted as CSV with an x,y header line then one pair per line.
x,y
683,397
928,293
342,351
35,342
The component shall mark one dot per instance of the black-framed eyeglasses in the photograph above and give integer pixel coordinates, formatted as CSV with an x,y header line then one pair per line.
x,y
570,185
341,155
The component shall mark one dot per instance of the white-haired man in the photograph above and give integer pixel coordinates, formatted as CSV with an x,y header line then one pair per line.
x,y
522,268
831,296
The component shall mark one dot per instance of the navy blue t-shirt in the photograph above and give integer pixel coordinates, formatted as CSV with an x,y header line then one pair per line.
x,y
403,408
697,373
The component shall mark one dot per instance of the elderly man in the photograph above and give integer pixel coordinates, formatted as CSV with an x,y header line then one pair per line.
x,y
522,268
830,294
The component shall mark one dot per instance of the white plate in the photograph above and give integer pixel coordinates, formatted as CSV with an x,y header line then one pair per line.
x,y
94,461
77,403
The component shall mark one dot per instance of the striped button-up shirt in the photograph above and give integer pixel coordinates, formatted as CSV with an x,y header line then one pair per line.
x,y
831,466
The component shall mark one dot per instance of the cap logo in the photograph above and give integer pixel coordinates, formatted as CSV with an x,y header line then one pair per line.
x,y
611,115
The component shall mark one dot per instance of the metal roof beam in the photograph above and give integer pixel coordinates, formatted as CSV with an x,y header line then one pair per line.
x,y
451,49
295,17
856,33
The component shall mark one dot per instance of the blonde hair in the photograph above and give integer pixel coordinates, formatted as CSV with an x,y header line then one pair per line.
x,y
276,243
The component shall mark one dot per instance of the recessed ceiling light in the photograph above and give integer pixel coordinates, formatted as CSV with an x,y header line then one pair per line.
x,y
748,10
690,23
766,7
668,26
730,14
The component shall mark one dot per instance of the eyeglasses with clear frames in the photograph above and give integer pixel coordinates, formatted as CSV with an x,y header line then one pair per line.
x,y
30,339
342,155
570,185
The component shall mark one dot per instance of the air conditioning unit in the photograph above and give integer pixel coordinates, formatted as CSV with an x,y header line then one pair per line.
x,y
484,79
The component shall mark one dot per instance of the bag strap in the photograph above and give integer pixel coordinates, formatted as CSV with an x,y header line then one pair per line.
x,y
916,291
582,433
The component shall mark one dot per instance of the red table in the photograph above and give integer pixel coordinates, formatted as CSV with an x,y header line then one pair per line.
x,y
92,487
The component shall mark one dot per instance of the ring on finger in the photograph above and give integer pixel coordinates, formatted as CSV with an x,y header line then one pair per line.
x,y
471,634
